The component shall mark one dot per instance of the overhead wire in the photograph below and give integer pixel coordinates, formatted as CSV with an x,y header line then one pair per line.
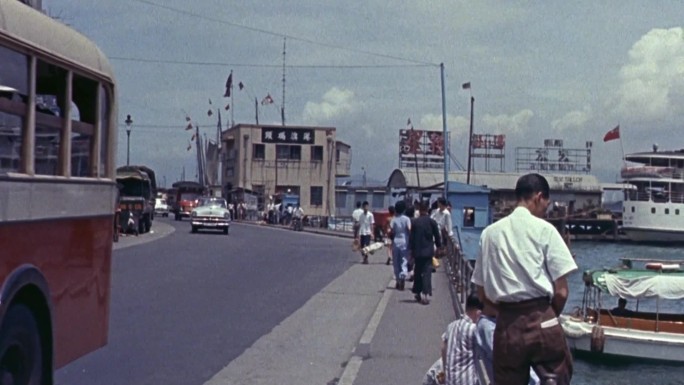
x,y
278,34
256,65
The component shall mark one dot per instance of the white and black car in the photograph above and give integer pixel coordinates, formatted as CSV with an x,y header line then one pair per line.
x,y
210,213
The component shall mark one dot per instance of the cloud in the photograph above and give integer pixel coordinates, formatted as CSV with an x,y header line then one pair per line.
x,y
572,120
507,124
654,77
337,103
457,125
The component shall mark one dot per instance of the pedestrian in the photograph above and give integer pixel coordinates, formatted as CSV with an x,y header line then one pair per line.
x,y
521,269
400,230
410,214
458,346
356,215
388,233
442,216
366,230
423,239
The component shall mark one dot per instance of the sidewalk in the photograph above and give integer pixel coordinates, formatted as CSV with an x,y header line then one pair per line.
x,y
403,338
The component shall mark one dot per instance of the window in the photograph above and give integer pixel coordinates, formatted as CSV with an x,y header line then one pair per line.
x,y
104,130
14,86
287,152
51,84
653,210
468,217
378,201
316,196
341,199
316,153
667,211
258,151
83,113
632,208
676,211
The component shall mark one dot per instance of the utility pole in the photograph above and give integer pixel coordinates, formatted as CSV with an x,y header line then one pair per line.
x,y
282,108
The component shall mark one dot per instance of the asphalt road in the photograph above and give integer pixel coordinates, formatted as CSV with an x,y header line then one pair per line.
x,y
185,305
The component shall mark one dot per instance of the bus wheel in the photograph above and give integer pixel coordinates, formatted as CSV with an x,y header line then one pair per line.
x,y
21,359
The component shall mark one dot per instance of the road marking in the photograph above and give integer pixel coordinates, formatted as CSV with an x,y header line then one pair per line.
x,y
363,349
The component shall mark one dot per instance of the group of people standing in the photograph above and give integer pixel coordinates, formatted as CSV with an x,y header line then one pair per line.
x,y
511,322
414,234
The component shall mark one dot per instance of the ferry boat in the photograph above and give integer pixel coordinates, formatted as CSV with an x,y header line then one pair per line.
x,y
599,332
653,211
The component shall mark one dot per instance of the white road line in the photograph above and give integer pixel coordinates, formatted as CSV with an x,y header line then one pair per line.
x,y
354,365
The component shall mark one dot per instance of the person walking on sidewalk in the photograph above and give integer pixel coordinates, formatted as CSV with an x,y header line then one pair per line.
x,y
387,229
356,216
458,346
400,229
366,230
521,269
423,238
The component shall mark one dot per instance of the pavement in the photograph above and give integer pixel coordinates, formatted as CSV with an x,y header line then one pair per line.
x,y
393,340
358,330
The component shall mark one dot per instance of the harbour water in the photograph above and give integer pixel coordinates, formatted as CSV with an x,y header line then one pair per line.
x,y
591,255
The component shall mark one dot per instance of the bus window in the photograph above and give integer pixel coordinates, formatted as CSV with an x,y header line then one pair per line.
x,y
50,96
84,101
13,92
104,131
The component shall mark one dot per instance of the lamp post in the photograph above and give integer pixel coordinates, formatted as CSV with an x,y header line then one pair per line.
x,y
128,122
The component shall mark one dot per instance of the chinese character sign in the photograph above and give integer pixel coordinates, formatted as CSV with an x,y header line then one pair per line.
x,y
418,142
287,135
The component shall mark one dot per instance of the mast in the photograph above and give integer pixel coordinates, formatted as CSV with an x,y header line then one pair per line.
x,y
282,108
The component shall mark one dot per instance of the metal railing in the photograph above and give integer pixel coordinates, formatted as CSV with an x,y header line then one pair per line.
x,y
459,270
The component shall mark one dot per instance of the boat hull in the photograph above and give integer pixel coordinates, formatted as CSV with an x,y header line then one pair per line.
x,y
625,343
654,235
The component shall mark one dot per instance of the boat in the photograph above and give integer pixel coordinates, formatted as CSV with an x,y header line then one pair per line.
x,y
653,211
622,334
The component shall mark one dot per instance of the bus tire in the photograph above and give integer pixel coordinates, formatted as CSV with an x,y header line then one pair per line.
x,y
21,355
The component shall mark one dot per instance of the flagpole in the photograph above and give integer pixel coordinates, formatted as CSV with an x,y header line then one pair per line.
x,y
232,106
622,147
256,110
470,137
446,144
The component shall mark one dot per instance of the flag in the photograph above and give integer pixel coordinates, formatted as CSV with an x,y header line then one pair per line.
x,y
209,113
209,101
189,147
227,107
267,100
612,134
241,86
466,86
193,137
229,85
187,118
409,125
188,127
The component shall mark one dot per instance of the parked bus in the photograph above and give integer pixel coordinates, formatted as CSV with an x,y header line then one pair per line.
x,y
58,133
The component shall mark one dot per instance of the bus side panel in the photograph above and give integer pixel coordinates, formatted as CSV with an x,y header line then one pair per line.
x,y
75,257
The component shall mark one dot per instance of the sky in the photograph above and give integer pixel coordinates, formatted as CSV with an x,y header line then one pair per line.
x,y
538,70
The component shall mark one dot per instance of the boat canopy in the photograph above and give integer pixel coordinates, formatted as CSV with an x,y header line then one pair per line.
x,y
638,283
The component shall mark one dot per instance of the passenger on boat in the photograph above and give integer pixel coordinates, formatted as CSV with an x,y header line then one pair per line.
x,y
621,309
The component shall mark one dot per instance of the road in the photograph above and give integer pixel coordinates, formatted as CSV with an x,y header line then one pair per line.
x,y
185,306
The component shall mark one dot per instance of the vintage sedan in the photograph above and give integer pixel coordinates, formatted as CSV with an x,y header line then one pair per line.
x,y
210,213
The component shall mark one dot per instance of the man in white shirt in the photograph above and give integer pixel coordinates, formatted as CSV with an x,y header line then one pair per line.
x,y
443,218
356,215
366,228
522,270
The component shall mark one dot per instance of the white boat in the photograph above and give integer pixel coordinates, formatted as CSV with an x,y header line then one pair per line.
x,y
625,334
653,211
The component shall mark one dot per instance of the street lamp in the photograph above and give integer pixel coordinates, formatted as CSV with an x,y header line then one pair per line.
x,y
128,122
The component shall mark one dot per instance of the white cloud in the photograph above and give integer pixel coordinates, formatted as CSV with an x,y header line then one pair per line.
x,y
336,103
573,119
653,76
457,125
507,124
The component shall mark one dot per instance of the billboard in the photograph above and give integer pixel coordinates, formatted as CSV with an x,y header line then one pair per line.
x,y
421,146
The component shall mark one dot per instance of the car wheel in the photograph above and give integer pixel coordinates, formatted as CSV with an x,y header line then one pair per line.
x,y
225,230
193,229
21,355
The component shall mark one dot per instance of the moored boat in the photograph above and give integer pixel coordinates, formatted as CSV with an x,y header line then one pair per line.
x,y
653,211
652,335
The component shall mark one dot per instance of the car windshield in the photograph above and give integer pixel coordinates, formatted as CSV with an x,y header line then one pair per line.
x,y
212,202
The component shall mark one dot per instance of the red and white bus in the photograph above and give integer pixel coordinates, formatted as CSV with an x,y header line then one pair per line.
x,y
58,133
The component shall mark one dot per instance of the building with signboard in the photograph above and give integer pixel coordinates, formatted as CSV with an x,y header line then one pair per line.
x,y
270,160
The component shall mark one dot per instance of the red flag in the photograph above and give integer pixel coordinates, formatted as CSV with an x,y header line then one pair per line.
x,y
612,134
